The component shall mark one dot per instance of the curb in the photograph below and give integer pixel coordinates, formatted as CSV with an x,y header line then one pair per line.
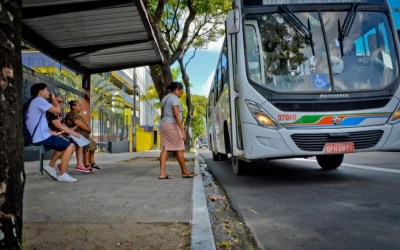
x,y
201,236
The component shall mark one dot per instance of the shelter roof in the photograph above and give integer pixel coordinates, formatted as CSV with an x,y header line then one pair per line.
x,y
91,36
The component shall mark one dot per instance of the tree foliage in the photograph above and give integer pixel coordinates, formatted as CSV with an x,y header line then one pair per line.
x,y
199,115
178,26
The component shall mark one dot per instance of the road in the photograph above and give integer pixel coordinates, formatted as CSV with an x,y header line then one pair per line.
x,y
293,204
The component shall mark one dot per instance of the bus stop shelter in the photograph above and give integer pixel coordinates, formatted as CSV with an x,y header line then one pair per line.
x,y
91,36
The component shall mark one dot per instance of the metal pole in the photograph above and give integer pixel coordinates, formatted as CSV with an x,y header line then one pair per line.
x,y
123,120
134,117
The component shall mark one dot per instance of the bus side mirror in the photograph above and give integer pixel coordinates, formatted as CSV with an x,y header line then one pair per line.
x,y
232,22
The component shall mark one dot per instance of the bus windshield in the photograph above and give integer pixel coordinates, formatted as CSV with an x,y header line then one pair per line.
x,y
282,58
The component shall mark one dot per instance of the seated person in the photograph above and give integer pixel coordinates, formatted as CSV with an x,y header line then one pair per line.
x,y
57,124
38,127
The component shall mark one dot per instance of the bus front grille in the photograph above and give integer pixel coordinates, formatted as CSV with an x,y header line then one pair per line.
x,y
331,106
316,142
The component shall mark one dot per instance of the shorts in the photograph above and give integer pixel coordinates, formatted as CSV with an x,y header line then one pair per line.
x,y
54,142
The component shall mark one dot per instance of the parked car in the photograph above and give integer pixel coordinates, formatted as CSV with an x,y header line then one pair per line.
x,y
202,143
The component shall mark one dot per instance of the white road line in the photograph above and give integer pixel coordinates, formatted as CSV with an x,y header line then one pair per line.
x,y
371,168
388,170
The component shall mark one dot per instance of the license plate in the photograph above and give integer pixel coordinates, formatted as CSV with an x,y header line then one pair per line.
x,y
339,147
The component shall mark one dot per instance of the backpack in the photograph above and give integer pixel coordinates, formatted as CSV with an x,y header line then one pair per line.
x,y
27,135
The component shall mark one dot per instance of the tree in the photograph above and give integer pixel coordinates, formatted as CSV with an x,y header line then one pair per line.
x,y
199,115
178,26
12,173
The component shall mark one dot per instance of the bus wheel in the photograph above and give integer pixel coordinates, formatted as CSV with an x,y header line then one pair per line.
x,y
329,162
215,156
223,157
238,166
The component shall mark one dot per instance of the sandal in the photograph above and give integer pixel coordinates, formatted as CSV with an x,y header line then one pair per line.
x,y
190,175
94,165
82,169
167,177
89,168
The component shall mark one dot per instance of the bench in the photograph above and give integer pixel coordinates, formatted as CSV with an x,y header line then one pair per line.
x,y
41,151
102,146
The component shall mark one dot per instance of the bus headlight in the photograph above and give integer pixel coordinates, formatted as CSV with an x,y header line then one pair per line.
x,y
395,118
261,116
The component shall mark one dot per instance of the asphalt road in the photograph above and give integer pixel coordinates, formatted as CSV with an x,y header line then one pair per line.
x,y
293,204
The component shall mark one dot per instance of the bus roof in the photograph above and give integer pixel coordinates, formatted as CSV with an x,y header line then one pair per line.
x,y
282,2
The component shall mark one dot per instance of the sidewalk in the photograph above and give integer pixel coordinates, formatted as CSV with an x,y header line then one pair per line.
x,y
122,205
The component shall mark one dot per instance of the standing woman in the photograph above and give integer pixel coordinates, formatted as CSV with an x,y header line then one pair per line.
x,y
75,119
172,132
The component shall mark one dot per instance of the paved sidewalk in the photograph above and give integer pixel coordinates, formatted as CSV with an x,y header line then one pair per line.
x,y
124,190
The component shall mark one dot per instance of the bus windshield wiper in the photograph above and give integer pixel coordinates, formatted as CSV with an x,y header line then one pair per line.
x,y
299,26
344,30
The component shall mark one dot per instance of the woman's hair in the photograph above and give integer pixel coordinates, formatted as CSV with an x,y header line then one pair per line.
x,y
72,103
175,85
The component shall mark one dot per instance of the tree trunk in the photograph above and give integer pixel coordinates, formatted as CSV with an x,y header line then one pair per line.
x,y
189,115
12,174
161,76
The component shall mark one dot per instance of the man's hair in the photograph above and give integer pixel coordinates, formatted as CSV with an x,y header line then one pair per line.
x,y
175,85
36,88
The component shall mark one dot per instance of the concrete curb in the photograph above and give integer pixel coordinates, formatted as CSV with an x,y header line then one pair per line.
x,y
202,236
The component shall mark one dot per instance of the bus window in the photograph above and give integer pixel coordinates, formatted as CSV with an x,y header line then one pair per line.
x,y
235,64
224,68
216,93
253,54
281,58
221,79
368,61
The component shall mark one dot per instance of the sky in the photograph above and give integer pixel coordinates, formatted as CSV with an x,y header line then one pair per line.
x,y
202,67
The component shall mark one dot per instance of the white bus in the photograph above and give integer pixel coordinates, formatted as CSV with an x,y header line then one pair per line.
x,y
304,78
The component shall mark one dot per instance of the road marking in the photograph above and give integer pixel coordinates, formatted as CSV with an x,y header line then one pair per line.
x,y
371,168
388,170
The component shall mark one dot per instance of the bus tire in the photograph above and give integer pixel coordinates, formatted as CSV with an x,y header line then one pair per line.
x,y
238,166
215,156
329,162
223,157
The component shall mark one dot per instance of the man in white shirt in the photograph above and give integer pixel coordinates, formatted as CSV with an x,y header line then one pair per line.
x,y
38,127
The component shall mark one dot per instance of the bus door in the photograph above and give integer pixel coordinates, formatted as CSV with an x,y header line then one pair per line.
x,y
232,28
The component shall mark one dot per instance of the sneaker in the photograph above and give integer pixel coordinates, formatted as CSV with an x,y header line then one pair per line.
x,y
50,171
66,178
81,169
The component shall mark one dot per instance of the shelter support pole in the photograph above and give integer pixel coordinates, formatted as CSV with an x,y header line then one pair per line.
x,y
134,146
86,100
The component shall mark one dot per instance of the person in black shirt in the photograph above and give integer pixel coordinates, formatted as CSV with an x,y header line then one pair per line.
x,y
56,123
